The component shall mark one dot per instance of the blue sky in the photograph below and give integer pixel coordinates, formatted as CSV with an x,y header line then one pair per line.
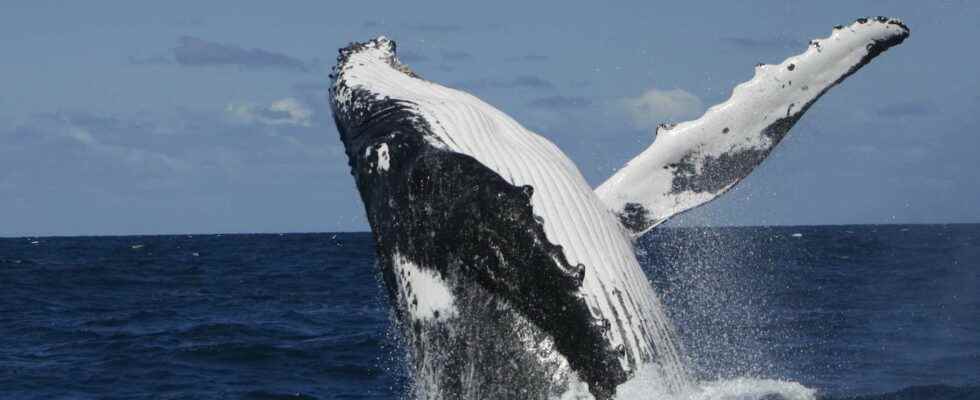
x,y
192,117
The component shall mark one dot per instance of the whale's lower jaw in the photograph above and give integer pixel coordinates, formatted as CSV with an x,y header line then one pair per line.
x,y
486,301
480,348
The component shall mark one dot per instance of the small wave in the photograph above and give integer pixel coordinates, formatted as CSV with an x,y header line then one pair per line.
x,y
264,395
109,322
212,331
353,371
347,343
135,322
16,261
229,331
242,353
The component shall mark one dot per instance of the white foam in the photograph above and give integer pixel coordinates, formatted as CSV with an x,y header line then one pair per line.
x,y
751,389
647,385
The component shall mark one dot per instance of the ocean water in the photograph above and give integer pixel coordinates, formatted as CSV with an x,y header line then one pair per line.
x,y
862,312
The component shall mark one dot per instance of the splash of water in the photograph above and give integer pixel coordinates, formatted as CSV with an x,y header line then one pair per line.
x,y
648,384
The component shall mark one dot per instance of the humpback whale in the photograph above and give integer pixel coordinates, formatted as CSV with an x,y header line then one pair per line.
x,y
509,276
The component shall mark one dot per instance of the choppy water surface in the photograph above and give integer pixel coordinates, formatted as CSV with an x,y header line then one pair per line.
x,y
890,312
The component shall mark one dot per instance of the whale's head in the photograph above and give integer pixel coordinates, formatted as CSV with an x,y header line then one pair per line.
x,y
383,130
361,105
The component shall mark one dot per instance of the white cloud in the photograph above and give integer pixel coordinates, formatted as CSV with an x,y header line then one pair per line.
x,y
657,106
288,111
82,136
146,160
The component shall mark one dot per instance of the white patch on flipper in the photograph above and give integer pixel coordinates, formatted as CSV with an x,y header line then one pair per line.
x,y
383,157
424,290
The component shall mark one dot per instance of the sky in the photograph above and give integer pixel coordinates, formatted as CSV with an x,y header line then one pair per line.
x,y
206,117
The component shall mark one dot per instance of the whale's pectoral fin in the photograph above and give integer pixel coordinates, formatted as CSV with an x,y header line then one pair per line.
x,y
693,162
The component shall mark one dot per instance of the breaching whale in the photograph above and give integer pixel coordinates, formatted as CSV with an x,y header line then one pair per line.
x,y
510,277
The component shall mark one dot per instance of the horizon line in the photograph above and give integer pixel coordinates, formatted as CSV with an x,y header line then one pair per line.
x,y
368,231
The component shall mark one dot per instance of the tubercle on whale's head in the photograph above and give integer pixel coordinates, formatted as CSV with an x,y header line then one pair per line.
x,y
360,55
355,104
367,115
380,48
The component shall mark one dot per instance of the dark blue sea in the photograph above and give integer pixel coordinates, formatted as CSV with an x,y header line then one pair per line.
x,y
861,312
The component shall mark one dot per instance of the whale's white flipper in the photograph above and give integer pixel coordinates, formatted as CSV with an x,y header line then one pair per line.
x,y
693,162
